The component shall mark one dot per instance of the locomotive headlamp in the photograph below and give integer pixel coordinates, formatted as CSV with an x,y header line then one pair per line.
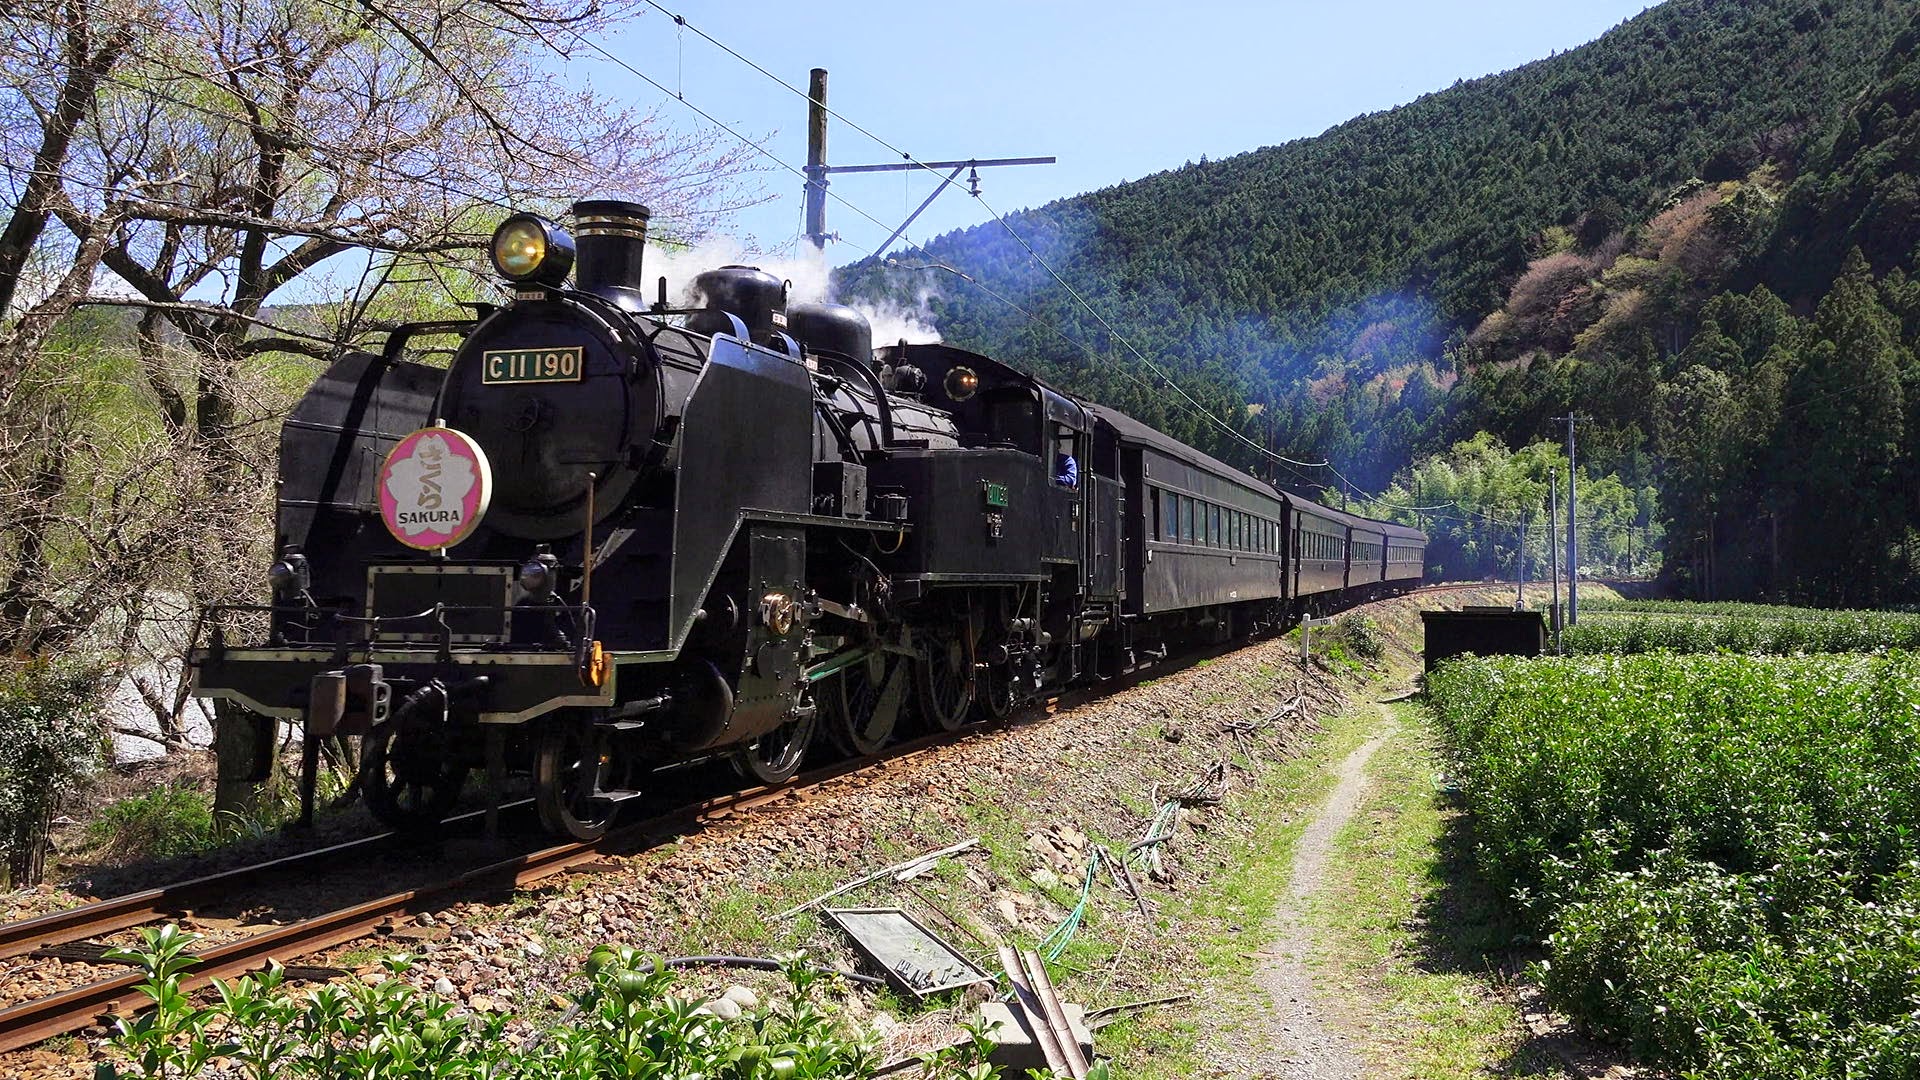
x,y
962,383
533,250
289,576
536,577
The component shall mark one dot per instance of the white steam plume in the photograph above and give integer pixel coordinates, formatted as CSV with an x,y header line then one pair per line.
x,y
812,283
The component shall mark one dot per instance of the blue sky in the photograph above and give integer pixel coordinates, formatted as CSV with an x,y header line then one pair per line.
x,y
1116,90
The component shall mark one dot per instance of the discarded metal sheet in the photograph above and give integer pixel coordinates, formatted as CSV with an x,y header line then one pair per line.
x,y
910,954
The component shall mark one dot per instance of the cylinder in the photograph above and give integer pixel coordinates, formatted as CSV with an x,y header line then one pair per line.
x,y
610,237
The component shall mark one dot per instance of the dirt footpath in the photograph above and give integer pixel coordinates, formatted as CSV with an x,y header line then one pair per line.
x,y
1308,1043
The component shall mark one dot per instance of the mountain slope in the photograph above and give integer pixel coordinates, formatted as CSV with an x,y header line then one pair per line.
x,y
1363,250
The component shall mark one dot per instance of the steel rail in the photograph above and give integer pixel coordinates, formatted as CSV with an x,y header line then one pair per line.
x,y
133,909
33,1021
139,908
30,1022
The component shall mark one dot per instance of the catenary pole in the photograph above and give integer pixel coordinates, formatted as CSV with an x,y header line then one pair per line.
x,y
818,170
1573,539
817,159
1553,553
1520,579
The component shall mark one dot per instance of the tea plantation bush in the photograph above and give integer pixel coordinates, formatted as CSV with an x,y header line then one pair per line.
x,y
629,1021
1805,630
1710,607
1723,852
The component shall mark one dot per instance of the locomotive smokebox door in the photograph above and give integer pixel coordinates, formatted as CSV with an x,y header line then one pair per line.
x,y
840,489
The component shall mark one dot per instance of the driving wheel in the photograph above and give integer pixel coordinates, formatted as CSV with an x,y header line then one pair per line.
x,y
945,689
863,702
773,758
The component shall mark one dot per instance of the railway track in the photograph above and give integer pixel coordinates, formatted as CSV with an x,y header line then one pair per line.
x,y
88,921
30,1022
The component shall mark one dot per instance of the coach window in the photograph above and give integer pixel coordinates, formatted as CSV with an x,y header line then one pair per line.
x,y
1214,535
1168,510
1186,519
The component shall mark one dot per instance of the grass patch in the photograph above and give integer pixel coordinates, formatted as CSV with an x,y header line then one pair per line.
x,y
167,822
1228,915
1407,934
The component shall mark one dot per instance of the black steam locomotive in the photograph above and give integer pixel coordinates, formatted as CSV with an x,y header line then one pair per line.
x,y
613,535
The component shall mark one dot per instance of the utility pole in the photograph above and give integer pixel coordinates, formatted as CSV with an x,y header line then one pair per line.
x,y
818,170
1713,552
1773,577
1573,540
1553,555
817,159
1520,579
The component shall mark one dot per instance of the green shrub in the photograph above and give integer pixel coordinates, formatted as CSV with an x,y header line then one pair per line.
x,y
1722,852
1748,628
1361,635
171,820
177,818
627,1022
1740,608
49,744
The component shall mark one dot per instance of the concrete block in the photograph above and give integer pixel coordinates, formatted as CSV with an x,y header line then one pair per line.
x,y
1014,1050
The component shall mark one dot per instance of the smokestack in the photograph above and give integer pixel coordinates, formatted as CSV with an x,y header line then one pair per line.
x,y
611,238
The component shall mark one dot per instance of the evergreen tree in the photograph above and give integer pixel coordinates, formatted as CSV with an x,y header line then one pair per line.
x,y
1845,414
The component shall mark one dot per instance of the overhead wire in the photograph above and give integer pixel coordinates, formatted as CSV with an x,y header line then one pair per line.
x,y
945,180
1186,400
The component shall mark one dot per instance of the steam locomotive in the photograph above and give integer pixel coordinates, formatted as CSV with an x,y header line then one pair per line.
x,y
613,535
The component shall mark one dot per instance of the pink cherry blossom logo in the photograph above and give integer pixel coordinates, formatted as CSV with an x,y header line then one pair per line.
x,y
434,488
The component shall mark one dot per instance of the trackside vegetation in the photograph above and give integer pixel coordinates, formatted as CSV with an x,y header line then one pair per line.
x,y
628,1021
1722,853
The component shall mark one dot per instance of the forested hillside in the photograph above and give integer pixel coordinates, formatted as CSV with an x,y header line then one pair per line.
x,y
1342,285
1755,342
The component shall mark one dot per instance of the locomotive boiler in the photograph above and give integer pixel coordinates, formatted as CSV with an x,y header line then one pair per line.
x,y
612,535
